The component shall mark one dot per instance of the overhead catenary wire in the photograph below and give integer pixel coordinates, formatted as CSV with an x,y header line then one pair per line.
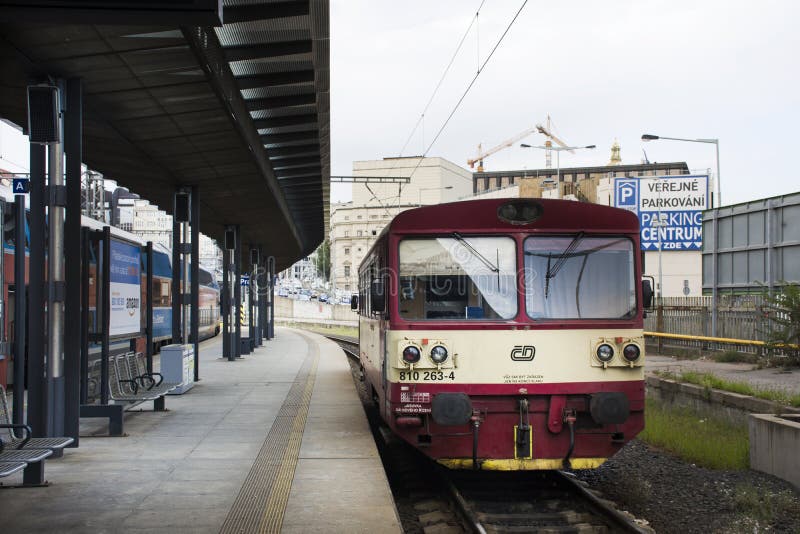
x,y
441,79
469,87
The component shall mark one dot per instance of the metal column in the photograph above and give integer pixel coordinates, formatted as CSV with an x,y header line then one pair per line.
x,y
195,300
85,244
37,393
237,292
73,146
20,313
55,295
251,333
149,306
225,303
271,286
262,297
176,275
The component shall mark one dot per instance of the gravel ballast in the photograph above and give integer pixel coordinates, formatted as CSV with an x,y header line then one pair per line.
x,y
675,496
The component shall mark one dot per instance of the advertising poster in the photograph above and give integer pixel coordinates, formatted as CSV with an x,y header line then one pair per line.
x,y
125,289
670,209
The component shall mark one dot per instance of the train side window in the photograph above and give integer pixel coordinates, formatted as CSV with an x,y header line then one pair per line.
x,y
9,220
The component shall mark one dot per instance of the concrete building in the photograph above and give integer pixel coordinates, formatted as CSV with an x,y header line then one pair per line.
x,y
356,224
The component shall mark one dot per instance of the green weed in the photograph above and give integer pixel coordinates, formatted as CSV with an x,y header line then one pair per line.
x,y
710,381
752,502
698,438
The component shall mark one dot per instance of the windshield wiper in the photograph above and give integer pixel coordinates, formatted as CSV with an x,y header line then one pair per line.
x,y
561,259
492,267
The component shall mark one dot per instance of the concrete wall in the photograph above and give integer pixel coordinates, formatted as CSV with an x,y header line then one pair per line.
x,y
732,406
774,446
291,310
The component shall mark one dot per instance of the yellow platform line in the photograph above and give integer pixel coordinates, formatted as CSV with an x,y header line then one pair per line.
x,y
261,502
272,520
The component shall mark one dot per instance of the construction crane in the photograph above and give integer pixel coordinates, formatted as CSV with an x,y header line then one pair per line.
x,y
507,143
546,131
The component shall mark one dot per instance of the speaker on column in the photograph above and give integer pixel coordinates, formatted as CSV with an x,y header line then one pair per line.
x,y
43,114
182,207
230,239
253,256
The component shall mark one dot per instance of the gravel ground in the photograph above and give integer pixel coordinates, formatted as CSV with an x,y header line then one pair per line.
x,y
674,496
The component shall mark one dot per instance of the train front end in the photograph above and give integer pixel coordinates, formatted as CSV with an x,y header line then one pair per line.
x,y
514,341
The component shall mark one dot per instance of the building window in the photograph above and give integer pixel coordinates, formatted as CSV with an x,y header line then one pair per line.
x,y
347,233
347,218
359,217
347,270
347,250
375,217
358,233
347,287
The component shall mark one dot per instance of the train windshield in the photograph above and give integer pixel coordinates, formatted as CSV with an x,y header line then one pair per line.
x,y
458,277
579,277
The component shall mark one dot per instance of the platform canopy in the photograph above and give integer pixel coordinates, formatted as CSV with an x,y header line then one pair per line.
x,y
239,109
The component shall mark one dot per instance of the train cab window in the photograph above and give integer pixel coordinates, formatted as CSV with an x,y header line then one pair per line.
x,y
458,278
579,277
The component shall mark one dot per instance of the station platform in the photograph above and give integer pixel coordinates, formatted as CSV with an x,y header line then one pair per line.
x,y
274,442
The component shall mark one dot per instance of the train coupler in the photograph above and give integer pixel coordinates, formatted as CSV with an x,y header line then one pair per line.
x,y
523,442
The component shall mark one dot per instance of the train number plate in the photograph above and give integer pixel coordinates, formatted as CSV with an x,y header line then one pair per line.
x,y
427,376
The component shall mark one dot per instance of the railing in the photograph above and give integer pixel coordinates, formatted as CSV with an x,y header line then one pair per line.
x,y
738,317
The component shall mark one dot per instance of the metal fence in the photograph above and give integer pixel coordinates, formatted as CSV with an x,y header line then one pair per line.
x,y
738,317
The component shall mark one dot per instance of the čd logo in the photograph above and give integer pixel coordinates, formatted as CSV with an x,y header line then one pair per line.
x,y
523,353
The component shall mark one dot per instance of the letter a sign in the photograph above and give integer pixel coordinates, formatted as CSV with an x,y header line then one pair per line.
x,y
21,186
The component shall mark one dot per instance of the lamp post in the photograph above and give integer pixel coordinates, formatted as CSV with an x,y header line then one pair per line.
x,y
714,289
715,142
419,203
558,150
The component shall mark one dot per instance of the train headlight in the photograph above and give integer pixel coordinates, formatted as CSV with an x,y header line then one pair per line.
x,y
438,354
631,352
411,354
605,352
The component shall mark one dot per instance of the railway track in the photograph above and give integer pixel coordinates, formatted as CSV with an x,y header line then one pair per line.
x,y
435,500
548,501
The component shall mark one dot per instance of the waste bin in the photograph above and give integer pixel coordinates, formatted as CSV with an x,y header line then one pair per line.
x,y
177,365
245,346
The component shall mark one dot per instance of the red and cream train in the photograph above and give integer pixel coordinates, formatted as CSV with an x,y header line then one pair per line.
x,y
507,333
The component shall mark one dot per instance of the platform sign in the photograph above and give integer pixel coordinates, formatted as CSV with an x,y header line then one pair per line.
x,y
244,281
125,289
670,209
21,186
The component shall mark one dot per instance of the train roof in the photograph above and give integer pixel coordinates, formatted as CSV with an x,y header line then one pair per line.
x,y
87,222
484,215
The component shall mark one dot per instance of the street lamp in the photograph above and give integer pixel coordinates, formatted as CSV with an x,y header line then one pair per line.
x,y
650,137
431,189
558,150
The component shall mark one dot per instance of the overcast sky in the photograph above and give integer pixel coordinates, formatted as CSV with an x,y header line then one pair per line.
x,y
602,70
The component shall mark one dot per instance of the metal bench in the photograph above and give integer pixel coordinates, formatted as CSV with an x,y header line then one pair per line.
x,y
9,436
152,382
31,461
9,468
124,387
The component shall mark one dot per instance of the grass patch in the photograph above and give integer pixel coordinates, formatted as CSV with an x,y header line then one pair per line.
x,y
755,503
706,441
710,381
732,356
334,330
